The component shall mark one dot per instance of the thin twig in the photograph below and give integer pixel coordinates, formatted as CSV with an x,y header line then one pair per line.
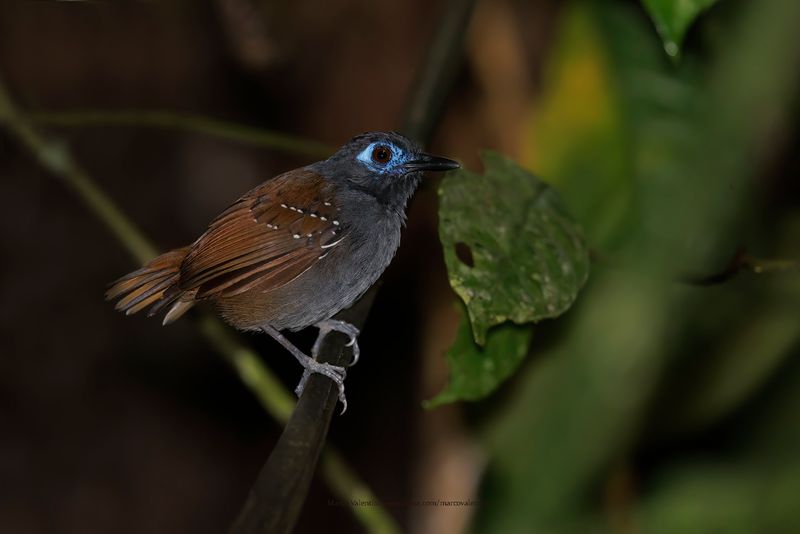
x,y
276,499
198,124
275,399
742,261
770,266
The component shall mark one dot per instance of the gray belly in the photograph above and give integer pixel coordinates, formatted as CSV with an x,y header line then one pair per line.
x,y
329,286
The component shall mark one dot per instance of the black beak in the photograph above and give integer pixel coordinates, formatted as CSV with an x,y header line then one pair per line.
x,y
426,162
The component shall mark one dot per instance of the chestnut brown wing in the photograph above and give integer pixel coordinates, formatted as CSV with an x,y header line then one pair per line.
x,y
266,239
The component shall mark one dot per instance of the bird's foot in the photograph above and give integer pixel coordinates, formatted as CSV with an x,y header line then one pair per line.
x,y
334,325
310,365
334,372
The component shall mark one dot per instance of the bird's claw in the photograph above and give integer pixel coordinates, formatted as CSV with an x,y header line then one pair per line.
x,y
335,325
336,373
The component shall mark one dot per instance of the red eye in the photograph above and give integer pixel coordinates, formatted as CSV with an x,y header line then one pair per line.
x,y
381,154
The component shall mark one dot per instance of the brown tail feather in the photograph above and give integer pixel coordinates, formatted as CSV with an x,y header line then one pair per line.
x,y
156,285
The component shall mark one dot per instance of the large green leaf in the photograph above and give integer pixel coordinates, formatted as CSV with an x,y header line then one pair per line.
x,y
512,251
673,18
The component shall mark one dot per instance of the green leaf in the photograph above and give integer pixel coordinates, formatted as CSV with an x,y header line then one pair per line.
x,y
476,371
673,18
512,251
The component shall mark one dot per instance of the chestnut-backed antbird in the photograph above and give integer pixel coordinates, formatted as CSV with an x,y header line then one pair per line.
x,y
295,250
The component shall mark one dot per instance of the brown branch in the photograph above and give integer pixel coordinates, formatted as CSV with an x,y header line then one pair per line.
x,y
741,261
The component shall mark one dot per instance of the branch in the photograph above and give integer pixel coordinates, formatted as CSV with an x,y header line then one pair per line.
x,y
275,399
436,75
170,120
280,490
277,497
741,261
765,266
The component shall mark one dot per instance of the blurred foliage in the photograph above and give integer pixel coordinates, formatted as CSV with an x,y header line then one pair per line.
x,y
578,113
657,160
673,18
515,256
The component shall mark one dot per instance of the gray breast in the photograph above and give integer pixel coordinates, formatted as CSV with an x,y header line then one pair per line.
x,y
344,273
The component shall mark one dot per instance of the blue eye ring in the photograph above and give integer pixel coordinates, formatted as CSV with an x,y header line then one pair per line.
x,y
374,157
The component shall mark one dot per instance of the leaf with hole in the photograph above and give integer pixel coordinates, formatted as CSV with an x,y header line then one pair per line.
x,y
513,253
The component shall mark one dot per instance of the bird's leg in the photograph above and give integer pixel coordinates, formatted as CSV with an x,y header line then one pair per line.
x,y
310,365
335,325
325,327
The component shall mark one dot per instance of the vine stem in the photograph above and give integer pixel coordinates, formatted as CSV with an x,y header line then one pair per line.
x,y
197,124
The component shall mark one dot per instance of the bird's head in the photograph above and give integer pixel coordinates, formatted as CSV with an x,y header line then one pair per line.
x,y
385,165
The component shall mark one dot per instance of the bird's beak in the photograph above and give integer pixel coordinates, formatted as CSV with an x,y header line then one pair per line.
x,y
427,162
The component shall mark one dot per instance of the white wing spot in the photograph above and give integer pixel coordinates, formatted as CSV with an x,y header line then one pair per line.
x,y
296,236
329,245
336,223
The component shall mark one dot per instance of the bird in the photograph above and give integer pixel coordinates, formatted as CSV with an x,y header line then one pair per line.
x,y
294,251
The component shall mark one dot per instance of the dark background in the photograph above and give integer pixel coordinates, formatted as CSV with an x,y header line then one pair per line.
x,y
115,424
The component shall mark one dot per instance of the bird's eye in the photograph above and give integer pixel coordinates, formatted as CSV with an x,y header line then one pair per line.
x,y
381,154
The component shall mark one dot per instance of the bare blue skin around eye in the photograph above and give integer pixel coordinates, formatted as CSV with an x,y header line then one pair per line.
x,y
399,157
